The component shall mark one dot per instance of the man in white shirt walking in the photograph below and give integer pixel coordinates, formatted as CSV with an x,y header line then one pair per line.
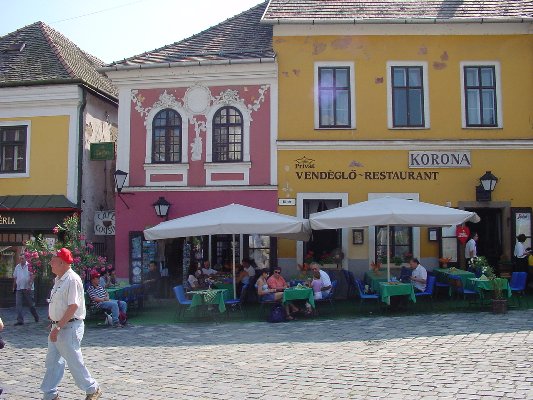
x,y
23,288
67,311
471,248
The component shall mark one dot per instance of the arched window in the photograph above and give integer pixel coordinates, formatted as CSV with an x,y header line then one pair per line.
x,y
227,135
166,137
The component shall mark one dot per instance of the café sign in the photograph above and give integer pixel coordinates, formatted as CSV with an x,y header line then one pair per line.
x,y
439,159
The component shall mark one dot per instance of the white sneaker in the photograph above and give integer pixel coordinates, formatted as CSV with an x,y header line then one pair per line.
x,y
94,396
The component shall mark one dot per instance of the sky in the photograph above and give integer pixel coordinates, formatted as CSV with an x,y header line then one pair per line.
x,y
116,29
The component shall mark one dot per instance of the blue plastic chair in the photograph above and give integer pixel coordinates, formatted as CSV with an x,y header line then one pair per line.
x,y
440,285
458,285
235,304
518,283
352,285
364,296
430,287
329,298
183,302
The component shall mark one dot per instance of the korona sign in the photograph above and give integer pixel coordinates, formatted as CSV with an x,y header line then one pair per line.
x,y
439,159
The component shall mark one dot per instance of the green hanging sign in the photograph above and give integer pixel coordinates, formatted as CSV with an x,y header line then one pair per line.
x,y
103,151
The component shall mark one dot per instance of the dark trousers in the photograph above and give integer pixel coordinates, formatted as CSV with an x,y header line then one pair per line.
x,y
20,297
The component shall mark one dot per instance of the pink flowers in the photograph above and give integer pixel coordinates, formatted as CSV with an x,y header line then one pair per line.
x,y
55,230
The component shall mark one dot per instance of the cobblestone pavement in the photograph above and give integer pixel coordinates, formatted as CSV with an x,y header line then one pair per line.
x,y
459,356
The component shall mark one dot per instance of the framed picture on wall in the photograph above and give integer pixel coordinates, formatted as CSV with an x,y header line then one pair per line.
x,y
358,236
433,234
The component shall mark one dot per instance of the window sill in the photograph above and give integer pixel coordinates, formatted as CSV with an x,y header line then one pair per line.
x,y
15,175
409,128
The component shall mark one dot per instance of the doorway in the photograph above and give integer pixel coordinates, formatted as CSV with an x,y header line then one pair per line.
x,y
490,232
324,241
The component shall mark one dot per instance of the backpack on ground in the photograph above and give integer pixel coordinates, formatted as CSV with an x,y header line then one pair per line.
x,y
277,314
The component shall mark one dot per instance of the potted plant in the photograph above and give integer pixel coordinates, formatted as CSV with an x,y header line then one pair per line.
x,y
444,261
499,302
397,260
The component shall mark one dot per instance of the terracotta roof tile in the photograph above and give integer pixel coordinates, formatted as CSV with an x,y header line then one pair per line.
x,y
239,37
368,10
38,53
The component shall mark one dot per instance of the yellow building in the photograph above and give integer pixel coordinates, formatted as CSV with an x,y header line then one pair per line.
x,y
53,105
412,102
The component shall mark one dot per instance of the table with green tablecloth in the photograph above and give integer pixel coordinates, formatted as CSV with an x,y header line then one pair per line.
x,y
373,279
227,286
443,274
209,296
297,293
481,285
388,289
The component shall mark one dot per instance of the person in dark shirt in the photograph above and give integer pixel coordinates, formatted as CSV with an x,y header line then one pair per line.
x,y
152,280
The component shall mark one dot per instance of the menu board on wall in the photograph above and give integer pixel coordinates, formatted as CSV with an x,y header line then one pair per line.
x,y
141,253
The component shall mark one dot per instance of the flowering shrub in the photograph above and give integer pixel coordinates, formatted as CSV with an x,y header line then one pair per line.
x,y
481,264
309,257
375,265
39,251
444,260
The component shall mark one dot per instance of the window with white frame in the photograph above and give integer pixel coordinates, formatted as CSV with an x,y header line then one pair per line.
x,y
227,135
407,92
166,137
13,149
480,95
334,95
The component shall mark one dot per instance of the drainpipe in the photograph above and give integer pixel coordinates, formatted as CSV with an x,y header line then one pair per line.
x,y
81,127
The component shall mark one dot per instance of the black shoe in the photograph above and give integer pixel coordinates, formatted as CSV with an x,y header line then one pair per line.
x,y
18,323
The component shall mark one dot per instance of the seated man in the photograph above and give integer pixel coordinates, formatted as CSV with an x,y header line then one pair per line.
x,y
100,299
151,283
207,270
419,276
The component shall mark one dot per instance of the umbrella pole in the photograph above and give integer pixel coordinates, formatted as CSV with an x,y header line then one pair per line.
x,y
388,254
234,280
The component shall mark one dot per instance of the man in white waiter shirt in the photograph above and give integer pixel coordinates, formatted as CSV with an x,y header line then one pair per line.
x,y
419,275
471,248
23,288
67,312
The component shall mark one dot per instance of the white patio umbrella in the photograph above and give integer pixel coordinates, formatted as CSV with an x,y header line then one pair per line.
x,y
390,211
232,219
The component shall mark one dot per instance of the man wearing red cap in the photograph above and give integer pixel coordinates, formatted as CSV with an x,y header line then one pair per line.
x,y
67,312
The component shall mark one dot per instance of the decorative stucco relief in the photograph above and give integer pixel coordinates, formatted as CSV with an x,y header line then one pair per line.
x,y
198,101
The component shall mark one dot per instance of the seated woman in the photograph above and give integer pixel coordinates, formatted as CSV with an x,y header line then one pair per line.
x,y
266,293
193,278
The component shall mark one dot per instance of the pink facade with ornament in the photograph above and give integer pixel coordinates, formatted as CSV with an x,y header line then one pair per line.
x,y
199,147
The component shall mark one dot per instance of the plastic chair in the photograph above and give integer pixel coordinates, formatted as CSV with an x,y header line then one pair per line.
x,y
365,296
457,283
430,286
440,284
352,285
183,302
518,284
329,298
235,304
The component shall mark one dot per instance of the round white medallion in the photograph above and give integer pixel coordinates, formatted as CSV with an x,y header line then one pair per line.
x,y
197,99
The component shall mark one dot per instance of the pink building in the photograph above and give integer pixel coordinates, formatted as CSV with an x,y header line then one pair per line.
x,y
197,127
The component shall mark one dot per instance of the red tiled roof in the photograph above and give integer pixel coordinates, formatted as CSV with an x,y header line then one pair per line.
x,y
37,53
382,10
239,37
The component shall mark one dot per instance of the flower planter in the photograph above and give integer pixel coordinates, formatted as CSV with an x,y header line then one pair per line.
x,y
499,306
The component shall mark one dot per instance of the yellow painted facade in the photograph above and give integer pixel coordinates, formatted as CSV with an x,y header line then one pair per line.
x,y
48,158
337,164
297,55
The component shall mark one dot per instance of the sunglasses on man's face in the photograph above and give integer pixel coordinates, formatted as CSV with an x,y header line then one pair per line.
x,y
277,272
